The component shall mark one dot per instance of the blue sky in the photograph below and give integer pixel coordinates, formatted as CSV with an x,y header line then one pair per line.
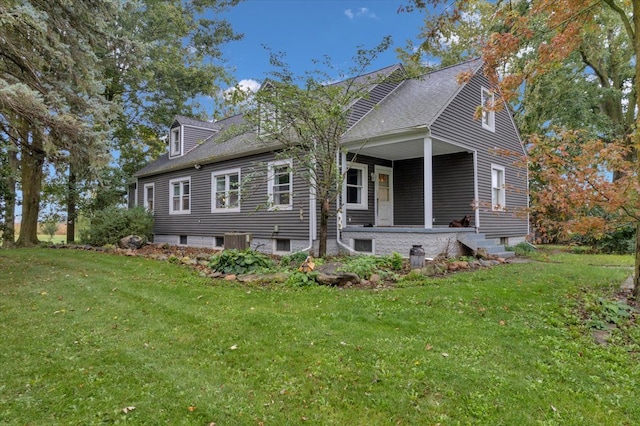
x,y
310,29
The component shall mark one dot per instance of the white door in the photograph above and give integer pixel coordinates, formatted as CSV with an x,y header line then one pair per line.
x,y
384,196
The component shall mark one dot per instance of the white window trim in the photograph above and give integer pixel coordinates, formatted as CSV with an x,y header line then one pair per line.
x,y
180,137
146,199
173,181
214,188
488,116
270,184
364,198
501,204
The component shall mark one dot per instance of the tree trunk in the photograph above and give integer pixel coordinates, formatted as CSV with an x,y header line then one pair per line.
x,y
32,160
9,232
71,203
636,137
324,225
636,269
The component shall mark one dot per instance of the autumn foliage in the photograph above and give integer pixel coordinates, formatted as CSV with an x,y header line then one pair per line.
x,y
573,190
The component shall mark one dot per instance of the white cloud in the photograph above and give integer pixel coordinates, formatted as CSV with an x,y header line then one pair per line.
x,y
247,85
362,12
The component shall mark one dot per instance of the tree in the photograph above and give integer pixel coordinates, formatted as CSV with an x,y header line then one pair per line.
x,y
307,117
536,38
165,56
50,92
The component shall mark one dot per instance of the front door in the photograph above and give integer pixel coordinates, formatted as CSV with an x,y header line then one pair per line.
x,y
384,196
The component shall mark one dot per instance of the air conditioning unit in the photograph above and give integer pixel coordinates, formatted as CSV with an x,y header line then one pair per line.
x,y
236,240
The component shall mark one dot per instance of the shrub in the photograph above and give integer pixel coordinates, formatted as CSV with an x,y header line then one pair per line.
x,y
240,261
293,259
110,225
301,279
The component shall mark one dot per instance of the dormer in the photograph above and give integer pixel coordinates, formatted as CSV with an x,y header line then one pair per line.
x,y
186,133
176,144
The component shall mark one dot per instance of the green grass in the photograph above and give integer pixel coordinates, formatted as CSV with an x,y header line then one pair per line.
x,y
85,335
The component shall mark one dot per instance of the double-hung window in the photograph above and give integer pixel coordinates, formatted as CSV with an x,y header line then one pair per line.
x,y
180,196
357,189
149,195
497,188
280,185
226,191
175,142
488,110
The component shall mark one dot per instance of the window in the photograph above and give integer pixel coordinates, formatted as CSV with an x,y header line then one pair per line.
x,y
357,190
226,191
180,196
175,142
148,197
363,246
183,240
282,246
497,188
488,110
268,122
218,242
280,185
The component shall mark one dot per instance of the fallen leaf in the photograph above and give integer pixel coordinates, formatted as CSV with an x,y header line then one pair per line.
x,y
444,354
428,347
554,408
192,408
234,347
502,322
127,410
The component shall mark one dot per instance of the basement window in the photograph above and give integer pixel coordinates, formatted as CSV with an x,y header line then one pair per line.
x,y
363,246
282,246
218,242
183,240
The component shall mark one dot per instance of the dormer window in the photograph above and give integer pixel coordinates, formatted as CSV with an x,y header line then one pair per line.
x,y
175,142
488,110
268,123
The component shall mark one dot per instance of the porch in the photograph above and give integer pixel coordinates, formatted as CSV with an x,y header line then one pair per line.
x,y
409,182
435,241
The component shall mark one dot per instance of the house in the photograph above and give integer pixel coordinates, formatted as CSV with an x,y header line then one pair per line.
x,y
420,152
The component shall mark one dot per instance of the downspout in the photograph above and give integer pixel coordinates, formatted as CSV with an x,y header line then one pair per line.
x,y
312,216
338,202
312,210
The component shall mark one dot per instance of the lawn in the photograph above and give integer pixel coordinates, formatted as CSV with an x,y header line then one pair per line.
x,y
90,338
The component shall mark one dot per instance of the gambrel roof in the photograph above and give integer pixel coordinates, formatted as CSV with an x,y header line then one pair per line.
x,y
395,105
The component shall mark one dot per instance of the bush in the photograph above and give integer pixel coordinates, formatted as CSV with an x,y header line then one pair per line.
x,y
110,225
240,262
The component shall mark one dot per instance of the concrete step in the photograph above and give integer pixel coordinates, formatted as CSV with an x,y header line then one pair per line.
x,y
476,241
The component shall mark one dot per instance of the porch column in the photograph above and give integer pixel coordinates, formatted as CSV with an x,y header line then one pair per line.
x,y
343,201
428,183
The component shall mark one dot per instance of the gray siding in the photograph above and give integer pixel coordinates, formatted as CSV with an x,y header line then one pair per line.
x,y
457,124
453,191
365,217
194,136
408,192
362,106
253,217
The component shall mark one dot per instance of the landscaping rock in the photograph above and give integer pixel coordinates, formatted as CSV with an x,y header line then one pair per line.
x,y
131,242
458,265
328,274
203,256
374,279
230,277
